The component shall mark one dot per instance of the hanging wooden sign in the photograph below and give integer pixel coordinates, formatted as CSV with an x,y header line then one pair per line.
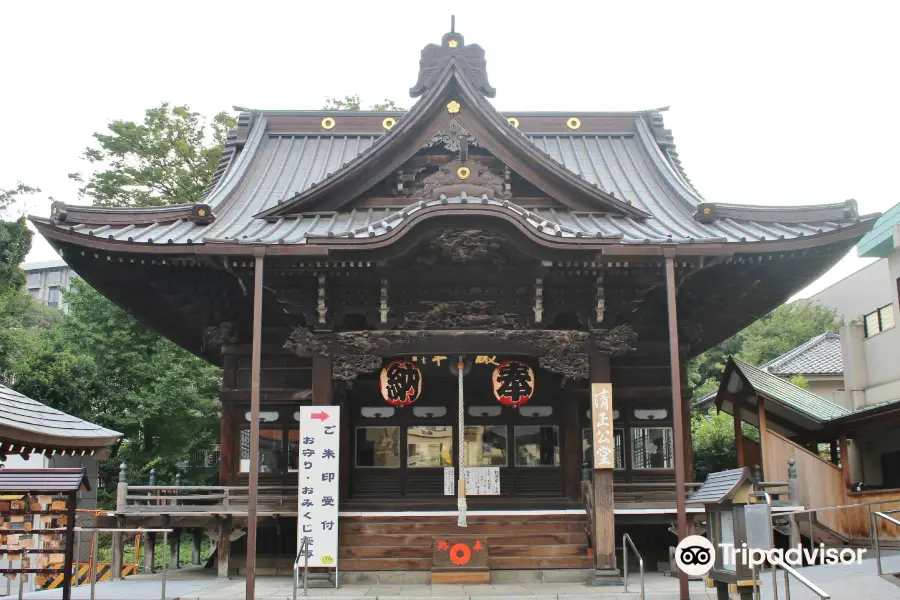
x,y
401,382
602,422
513,383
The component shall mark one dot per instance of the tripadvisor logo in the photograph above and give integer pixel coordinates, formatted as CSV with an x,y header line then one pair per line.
x,y
695,555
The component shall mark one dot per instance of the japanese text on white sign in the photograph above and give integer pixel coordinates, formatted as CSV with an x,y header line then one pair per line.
x,y
317,515
602,419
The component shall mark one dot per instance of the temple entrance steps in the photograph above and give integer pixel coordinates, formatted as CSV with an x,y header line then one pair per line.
x,y
514,542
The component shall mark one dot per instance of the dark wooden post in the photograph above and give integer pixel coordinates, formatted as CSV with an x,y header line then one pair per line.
x,y
572,450
738,431
256,357
223,548
605,571
322,387
763,428
118,539
227,446
175,549
845,461
149,552
197,538
677,413
835,459
70,545
227,427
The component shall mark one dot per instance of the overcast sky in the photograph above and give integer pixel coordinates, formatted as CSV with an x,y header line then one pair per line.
x,y
771,103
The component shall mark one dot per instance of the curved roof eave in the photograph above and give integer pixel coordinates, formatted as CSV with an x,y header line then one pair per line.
x,y
562,238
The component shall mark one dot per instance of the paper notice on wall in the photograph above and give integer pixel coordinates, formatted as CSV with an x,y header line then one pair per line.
x,y
449,481
482,481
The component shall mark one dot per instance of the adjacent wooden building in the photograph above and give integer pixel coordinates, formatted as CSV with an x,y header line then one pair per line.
x,y
332,243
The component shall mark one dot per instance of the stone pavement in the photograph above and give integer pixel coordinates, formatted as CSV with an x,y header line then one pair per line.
x,y
850,582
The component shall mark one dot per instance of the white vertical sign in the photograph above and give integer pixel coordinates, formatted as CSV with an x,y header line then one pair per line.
x,y
602,418
317,513
449,481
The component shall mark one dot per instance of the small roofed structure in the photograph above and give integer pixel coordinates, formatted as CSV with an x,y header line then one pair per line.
x,y
724,486
50,481
29,427
736,516
790,410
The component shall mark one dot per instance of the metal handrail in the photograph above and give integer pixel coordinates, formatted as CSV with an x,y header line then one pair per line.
x,y
787,582
626,541
873,526
302,550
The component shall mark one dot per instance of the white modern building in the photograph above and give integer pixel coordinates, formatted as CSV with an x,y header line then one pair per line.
x,y
46,280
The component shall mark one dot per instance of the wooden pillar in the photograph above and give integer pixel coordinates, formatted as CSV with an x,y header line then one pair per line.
x,y
835,459
738,431
605,571
763,428
256,357
69,555
227,446
197,538
118,551
223,548
175,549
677,416
845,461
322,387
346,459
149,552
572,451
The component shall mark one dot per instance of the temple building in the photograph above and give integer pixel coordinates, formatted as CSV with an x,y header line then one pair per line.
x,y
443,271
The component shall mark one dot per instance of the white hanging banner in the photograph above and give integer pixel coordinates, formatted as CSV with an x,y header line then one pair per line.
x,y
317,514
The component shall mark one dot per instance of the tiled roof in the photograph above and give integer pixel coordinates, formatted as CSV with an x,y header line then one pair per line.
x,y
272,167
26,422
43,480
819,356
880,241
815,407
720,486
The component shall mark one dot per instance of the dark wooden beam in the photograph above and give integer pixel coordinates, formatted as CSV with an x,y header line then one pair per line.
x,y
677,415
845,461
604,533
763,429
738,432
322,387
254,425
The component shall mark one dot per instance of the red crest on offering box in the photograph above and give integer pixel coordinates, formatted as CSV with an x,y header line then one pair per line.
x,y
401,382
513,383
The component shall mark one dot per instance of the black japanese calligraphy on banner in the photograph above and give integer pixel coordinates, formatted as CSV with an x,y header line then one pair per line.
x,y
401,382
513,383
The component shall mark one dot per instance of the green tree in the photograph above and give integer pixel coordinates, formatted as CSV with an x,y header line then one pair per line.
x,y
15,239
354,102
781,330
101,364
169,158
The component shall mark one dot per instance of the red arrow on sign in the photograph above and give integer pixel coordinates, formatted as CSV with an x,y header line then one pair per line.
x,y
319,415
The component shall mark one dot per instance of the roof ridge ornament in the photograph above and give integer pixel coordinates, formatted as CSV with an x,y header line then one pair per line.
x,y
469,60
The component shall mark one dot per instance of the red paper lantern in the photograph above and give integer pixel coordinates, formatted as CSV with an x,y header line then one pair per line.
x,y
401,382
513,383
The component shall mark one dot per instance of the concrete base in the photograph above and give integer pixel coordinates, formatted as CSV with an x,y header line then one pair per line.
x,y
604,577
